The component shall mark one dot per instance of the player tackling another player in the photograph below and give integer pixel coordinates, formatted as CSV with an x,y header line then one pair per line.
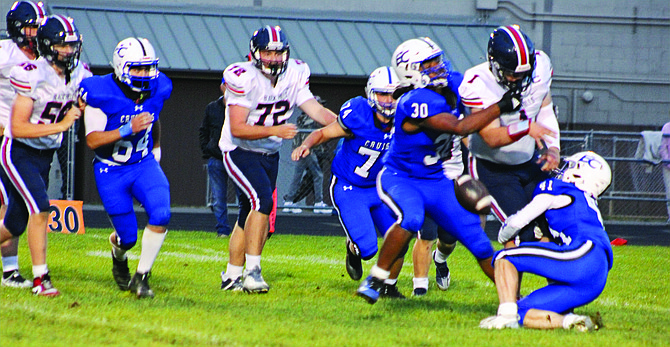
x,y
577,269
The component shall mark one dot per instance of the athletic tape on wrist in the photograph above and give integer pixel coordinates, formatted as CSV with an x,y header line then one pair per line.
x,y
518,130
126,129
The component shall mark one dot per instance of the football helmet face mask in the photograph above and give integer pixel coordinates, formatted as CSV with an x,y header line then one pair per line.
x,y
59,30
136,53
25,14
385,81
588,171
269,38
420,62
511,53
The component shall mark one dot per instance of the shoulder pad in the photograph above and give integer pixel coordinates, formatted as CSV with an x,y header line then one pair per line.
x,y
99,90
239,78
354,113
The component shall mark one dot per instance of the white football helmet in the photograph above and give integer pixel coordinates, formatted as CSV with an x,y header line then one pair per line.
x,y
134,52
588,171
409,57
382,80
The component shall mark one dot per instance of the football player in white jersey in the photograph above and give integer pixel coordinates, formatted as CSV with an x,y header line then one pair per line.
x,y
22,21
44,107
260,97
504,155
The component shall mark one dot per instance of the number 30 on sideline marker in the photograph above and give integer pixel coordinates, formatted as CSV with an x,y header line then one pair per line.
x,y
66,216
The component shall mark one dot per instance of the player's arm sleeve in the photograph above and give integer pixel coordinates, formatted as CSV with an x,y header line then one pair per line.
x,y
94,119
515,222
547,118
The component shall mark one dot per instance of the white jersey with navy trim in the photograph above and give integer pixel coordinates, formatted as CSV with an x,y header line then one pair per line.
x,y
246,86
52,97
10,56
481,90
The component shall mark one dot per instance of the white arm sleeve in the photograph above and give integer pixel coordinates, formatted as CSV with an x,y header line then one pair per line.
x,y
536,207
547,119
94,119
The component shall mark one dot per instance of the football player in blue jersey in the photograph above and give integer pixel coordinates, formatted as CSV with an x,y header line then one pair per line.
x,y
123,128
366,126
577,269
412,182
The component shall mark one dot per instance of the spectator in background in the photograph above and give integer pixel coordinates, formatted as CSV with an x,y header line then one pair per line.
x,y
664,151
307,167
210,134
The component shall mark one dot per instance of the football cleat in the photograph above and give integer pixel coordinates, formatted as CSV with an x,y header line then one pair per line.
x,y
500,322
42,286
581,323
419,291
353,264
234,285
121,273
391,291
254,283
442,274
14,279
370,289
139,285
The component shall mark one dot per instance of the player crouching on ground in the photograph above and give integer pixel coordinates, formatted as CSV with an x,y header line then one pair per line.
x,y
577,269
123,129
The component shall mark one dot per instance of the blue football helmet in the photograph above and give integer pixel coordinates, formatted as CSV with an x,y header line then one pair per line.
x,y
511,53
25,14
269,38
59,30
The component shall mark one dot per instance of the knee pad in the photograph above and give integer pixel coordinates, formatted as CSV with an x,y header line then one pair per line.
x,y
368,252
266,204
412,223
16,227
126,229
18,219
160,216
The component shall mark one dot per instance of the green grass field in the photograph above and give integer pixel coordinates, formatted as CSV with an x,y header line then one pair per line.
x,y
311,301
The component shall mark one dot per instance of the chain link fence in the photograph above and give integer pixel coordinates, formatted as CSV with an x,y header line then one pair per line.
x,y
637,191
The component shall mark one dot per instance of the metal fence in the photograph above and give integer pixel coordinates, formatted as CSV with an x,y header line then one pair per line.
x,y
637,191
